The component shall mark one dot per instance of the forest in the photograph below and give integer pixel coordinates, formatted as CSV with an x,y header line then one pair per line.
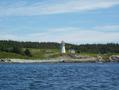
x,y
23,47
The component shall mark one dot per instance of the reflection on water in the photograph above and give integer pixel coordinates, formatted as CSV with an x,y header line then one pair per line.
x,y
65,76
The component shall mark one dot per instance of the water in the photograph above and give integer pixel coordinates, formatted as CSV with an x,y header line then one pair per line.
x,y
63,76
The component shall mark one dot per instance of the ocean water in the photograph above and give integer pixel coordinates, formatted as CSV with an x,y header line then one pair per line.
x,y
62,76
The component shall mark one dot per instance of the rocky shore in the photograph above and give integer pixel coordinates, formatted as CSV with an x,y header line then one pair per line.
x,y
114,58
64,59
46,61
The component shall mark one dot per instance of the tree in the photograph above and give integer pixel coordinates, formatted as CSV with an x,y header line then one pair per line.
x,y
17,50
7,46
27,53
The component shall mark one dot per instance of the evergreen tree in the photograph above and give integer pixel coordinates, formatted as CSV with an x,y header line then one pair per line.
x,y
16,47
27,53
17,50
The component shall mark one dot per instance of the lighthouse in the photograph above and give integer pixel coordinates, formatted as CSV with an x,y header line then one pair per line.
x,y
63,50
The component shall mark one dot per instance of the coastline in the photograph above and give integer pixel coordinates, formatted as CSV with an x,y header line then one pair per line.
x,y
113,58
45,61
49,61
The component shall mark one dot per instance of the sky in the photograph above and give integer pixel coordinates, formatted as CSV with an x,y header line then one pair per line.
x,y
74,21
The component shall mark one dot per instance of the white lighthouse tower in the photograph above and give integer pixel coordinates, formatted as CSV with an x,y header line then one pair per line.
x,y
63,50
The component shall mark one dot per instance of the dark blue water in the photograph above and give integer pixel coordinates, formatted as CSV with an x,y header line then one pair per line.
x,y
65,76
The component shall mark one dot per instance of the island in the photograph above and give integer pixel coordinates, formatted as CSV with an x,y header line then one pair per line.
x,y
52,52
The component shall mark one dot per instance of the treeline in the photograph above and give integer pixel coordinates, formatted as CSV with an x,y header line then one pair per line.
x,y
12,46
84,48
99,48
47,45
17,50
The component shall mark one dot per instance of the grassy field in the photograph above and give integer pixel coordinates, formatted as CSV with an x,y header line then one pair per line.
x,y
47,54
11,55
43,53
36,54
88,54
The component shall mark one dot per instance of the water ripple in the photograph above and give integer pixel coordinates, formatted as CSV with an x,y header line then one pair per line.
x,y
67,76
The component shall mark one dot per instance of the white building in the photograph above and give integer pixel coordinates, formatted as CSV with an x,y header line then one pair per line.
x,y
72,51
63,50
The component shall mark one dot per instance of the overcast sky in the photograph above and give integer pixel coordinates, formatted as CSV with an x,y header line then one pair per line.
x,y
74,21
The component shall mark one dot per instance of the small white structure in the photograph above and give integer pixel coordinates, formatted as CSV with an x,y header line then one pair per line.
x,y
63,50
72,51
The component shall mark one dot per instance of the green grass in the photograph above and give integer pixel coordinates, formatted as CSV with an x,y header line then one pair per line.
x,y
11,55
43,53
88,54
36,54
47,54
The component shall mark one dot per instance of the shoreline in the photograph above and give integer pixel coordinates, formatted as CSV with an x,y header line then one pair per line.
x,y
113,58
52,61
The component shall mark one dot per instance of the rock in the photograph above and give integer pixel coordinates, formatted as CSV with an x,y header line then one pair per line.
x,y
5,60
2,60
115,58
